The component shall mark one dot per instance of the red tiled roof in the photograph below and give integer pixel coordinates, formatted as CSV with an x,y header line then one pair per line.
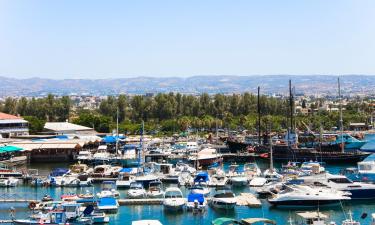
x,y
4,116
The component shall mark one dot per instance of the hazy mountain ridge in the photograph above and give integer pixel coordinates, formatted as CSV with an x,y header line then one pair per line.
x,y
306,84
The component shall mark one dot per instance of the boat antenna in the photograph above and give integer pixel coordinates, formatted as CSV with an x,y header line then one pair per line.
x,y
341,120
258,108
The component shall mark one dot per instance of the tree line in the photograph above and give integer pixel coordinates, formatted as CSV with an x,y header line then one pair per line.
x,y
175,112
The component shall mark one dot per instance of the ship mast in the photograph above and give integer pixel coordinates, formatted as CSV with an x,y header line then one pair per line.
x,y
341,120
258,122
117,132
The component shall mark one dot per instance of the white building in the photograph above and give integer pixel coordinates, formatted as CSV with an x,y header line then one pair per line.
x,y
11,126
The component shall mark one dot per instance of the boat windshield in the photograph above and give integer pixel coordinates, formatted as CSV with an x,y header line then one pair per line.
x,y
342,180
224,195
173,194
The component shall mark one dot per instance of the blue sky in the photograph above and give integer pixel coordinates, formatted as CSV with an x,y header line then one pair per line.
x,y
110,39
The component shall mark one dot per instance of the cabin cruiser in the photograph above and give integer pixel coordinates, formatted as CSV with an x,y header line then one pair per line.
x,y
108,204
196,202
237,175
127,156
126,177
84,156
206,157
106,171
166,172
358,190
200,188
224,198
173,199
155,190
301,195
81,170
146,178
9,182
310,168
136,190
108,190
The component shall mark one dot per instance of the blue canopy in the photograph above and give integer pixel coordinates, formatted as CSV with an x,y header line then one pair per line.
x,y
107,201
59,172
62,137
201,177
199,197
126,170
109,139
89,209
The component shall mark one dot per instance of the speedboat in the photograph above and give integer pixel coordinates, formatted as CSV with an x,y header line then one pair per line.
x,y
252,170
9,182
258,182
106,171
108,204
358,190
108,190
185,178
196,202
237,175
125,177
200,188
218,180
6,172
173,199
305,196
155,190
56,176
136,190
95,216
224,198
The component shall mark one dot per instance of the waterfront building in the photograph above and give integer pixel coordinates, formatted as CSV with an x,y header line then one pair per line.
x,y
11,126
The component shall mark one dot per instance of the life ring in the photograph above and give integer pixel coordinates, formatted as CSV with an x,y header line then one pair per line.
x,y
32,205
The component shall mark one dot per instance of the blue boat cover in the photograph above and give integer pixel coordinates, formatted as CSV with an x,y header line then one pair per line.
x,y
126,170
62,137
59,172
201,177
107,201
108,182
198,197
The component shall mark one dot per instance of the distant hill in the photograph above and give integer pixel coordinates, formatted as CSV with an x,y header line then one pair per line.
x,y
277,84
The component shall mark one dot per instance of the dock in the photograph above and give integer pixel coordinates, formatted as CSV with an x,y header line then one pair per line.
x,y
248,199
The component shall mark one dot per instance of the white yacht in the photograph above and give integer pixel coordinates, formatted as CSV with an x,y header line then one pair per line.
x,y
126,177
173,199
108,190
155,190
305,196
224,199
136,190
252,170
237,175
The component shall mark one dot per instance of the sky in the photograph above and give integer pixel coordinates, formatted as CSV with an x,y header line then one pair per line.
x,y
112,39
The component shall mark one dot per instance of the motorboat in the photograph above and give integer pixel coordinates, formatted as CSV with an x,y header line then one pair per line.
x,y
6,172
136,190
252,170
64,214
219,179
126,177
166,172
258,182
366,171
55,178
81,170
84,156
96,217
196,203
200,188
185,178
311,168
237,176
272,175
108,190
305,196
358,190
108,204
224,198
155,190
9,182
173,199
101,156
312,218
106,171
127,156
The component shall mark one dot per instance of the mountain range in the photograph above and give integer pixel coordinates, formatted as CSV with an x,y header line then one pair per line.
x,y
270,84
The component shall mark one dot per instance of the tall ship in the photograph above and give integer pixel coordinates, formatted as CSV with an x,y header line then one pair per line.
x,y
341,148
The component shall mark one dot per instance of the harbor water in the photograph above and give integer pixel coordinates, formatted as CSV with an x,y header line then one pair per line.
x,y
126,214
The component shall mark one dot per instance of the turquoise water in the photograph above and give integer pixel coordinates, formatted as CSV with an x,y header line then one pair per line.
x,y
128,213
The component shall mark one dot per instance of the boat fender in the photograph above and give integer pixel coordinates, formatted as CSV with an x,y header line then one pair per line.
x,y
32,205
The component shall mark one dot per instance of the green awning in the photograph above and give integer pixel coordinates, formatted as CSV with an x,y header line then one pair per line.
x,y
10,148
